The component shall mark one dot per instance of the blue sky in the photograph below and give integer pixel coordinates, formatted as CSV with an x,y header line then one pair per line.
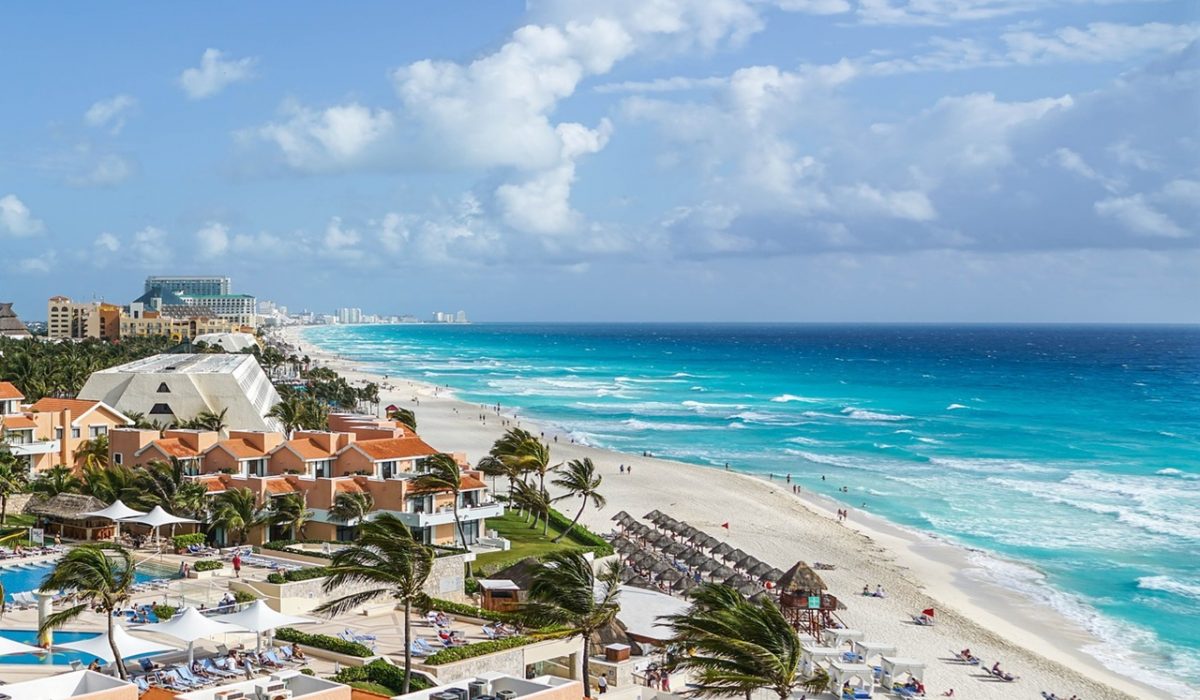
x,y
785,160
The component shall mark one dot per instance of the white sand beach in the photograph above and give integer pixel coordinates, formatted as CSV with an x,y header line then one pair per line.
x,y
767,520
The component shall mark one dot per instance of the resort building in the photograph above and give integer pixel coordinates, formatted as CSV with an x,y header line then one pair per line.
x,y
73,684
189,284
71,320
281,685
367,455
500,685
51,431
170,388
239,308
176,322
10,325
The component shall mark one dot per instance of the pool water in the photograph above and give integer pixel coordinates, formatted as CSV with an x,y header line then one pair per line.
x,y
63,657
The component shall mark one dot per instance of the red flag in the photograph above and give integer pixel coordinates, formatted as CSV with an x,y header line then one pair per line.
x,y
928,612
725,524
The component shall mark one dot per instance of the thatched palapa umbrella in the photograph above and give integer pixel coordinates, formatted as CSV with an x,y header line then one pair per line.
x,y
710,565
721,549
695,558
622,516
760,569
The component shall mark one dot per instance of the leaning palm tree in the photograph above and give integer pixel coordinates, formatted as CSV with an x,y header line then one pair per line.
x,y
237,511
566,591
98,581
386,557
442,473
14,477
93,454
580,481
405,417
116,482
352,508
290,511
290,412
736,646
528,498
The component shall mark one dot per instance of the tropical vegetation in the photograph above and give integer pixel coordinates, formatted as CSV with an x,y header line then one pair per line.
x,y
387,558
102,578
61,369
13,478
580,480
566,592
236,511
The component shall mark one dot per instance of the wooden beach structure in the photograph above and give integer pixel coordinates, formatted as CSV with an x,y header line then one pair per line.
x,y
804,601
64,514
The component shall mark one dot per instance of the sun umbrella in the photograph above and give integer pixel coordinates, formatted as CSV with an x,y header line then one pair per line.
x,y
773,575
721,549
708,541
116,512
735,556
722,572
258,617
128,645
620,516
695,558
748,563
675,549
760,569
697,537
687,531
8,646
710,565
735,580
189,626
685,584
156,518
639,582
748,589
670,575
645,560
661,538
653,515
659,567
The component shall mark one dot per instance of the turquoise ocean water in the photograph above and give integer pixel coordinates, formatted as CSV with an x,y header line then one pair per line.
x,y
1072,452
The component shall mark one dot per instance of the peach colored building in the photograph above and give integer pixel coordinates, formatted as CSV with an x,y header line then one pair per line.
x,y
51,431
365,455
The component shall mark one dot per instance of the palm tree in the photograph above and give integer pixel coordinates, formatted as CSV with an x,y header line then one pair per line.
x,y
98,581
139,420
93,454
289,511
387,557
564,592
167,486
55,480
14,477
442,473
406,417
237,511
526,454
352,508
289,412
581,481
208,420
737,646
528,498
115,481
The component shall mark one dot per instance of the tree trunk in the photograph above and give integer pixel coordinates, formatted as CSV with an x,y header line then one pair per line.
x,y
462,535
587,669
407,645
3,509
112,642
577,515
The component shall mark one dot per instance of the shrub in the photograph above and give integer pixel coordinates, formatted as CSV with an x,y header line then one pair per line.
x,y
308,671
276,578
470,651
208,565
379,673
244,597
375,688
323,641
581,535
283,545
453,608
185,541
164,612
293,575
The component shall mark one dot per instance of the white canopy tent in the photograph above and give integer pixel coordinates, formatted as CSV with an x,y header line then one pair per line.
x,y
8,646
811,656
896,666
869,650
127,644
836,637
156,518
258,617
861,678
190,626
116,512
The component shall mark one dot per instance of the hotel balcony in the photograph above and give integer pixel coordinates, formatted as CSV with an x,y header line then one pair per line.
x,y
445,516
42,447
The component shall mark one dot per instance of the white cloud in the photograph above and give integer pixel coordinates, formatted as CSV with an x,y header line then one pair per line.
x,y
1072,162
1136,214
1127,154
940,12
393,233
151,247
322,139
214,74
107,170
1185,192
1099,41
213,240
110,113
815,7
107,243
16,219
912,205
39,264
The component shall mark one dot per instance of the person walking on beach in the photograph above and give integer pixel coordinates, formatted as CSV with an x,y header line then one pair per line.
x,y
237,564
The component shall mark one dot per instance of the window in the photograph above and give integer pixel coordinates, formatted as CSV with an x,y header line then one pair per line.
x,y
389,469
161,409
258,467
163,388
75,433
118,458
346,533
98,430
323,469
58,433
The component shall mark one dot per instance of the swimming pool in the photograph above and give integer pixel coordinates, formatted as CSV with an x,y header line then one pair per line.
x,y
63,657
18,577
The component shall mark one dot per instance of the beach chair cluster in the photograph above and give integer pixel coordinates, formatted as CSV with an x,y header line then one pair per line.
x,y
211,671
367,640
201,550
249,558
444,637
26,552
672,556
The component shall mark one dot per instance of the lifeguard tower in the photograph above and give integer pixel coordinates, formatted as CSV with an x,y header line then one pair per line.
x,y
804,601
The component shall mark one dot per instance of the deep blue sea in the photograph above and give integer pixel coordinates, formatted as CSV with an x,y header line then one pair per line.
x,y
1072,451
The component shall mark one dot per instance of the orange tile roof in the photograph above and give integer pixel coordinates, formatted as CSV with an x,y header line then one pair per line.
x,y
214,483
18,422
241,449
77,407
355,694
10,391
307,449
396,448
172,447
157,693
347,486
466,483
280,486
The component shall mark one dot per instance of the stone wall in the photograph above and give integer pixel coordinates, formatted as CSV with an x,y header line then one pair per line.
x,y
446,579
510,661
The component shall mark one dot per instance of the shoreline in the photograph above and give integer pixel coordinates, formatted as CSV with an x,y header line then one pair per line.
x,y
1031,639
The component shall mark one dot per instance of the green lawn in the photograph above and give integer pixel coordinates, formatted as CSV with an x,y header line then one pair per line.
x,y
19,520
526,542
